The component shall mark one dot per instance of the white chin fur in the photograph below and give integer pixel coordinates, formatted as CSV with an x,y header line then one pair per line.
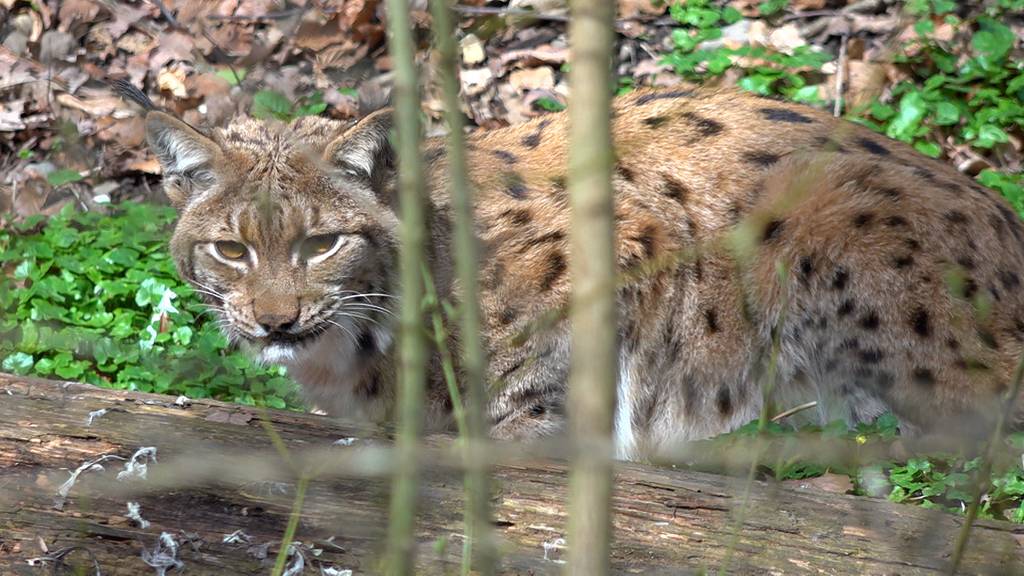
x,y
278,354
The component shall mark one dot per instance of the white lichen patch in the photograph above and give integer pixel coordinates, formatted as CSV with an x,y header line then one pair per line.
x,y
553,548
135,514
95,414
138,466
163,556
94,465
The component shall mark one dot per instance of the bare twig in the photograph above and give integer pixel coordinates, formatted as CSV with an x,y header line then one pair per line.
x,y
293,524
983,479
799,408
840,69
268,17
504,12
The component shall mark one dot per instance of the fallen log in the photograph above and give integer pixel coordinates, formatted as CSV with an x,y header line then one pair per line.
x,y
197,511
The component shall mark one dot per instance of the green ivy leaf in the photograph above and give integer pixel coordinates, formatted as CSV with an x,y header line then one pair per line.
x,y
230,76
731,15
63,176
549,104
992,42
930,149
912,110
989,135
271,104
946,114
18,363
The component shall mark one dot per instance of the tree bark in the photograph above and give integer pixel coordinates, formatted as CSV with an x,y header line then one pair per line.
x,y
666,521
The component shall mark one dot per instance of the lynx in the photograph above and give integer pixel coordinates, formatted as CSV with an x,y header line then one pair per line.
x,y
749,232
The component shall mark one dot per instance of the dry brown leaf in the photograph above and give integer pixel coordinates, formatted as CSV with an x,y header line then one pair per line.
x,y
10,115
546,54
172,80
32,192
540,78
256,7
944,32
650,67
517,109
57,45
207,85
315,36
341,56
190,11
546,7
358,16
147,165
832,483
237,40
865,82
786,38
171,46
136,43
637,8
472,50
475,80
128,133
73,11
125,15
801,5
100,106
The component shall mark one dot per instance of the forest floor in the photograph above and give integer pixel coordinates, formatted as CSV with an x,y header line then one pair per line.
x,y
80,193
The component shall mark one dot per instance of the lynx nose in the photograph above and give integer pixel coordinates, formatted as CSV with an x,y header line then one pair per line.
x,y
277,322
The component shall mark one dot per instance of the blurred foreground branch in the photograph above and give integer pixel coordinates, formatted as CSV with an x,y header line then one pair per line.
x,y
592,378
412,354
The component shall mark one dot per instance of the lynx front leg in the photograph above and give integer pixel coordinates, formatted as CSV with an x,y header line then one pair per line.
x,y
528,388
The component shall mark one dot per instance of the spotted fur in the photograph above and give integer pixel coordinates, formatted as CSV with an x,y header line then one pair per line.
x,y
888,280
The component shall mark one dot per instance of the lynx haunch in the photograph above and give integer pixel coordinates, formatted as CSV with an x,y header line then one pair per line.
x,y
886,281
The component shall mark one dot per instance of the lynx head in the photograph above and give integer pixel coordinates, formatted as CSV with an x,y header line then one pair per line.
x,y
288,232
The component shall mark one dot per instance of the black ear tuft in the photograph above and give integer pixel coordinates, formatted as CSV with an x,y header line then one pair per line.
x,y
129,91
365,148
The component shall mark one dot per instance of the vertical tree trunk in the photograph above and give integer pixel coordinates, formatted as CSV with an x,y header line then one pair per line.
x,y
480,552
592,265
412,348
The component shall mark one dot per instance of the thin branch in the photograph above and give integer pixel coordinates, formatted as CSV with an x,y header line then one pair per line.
x,y
840,69
594,364
292,527
268,17
984,477
799,408
412,347
505,12
479,550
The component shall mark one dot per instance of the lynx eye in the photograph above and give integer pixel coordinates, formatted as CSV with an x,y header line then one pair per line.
x,y
319,245
230,250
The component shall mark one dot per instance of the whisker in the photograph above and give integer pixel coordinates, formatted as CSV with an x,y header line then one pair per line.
x,y
367,296
358,316
363,306
344,328
207,289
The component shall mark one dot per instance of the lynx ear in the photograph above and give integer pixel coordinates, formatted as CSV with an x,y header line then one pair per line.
x,y
186,156
365,148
